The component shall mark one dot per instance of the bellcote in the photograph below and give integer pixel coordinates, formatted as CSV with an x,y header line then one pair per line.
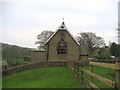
x,y
62,27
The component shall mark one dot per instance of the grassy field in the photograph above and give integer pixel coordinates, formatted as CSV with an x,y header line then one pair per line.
x,y
46,77
53,77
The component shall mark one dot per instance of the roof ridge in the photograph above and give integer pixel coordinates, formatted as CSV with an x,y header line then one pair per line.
x,y
62,27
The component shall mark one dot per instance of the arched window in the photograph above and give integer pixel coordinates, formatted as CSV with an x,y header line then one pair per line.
x,y
62,47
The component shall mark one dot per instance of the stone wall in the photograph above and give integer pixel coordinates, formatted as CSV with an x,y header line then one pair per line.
x,y
73,50
37,56
33,65
84,59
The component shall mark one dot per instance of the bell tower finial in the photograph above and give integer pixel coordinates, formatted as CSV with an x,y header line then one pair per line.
x,y
63,19
62,26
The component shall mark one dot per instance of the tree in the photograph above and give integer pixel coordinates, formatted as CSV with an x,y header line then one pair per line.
x,y
90,40
115,49
104,53
43,37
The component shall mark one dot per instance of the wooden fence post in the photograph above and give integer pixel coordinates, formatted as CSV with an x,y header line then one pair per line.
x,y
77,69
82,79
91,70
118,74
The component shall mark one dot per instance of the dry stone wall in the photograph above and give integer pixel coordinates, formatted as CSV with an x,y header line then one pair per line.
x,y
33,65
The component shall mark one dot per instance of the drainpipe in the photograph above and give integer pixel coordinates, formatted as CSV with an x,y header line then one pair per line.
x,y
47,52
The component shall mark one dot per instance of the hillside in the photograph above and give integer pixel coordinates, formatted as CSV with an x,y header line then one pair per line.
x,y
14,54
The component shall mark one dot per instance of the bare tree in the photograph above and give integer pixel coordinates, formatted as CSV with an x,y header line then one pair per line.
x,y
90,40
43,37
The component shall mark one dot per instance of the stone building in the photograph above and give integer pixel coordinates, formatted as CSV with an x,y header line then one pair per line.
x,y
61,46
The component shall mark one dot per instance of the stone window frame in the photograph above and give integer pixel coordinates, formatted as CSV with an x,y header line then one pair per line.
x,y
62,47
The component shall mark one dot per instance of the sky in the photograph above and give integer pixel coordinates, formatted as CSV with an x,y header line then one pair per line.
x,y
22,20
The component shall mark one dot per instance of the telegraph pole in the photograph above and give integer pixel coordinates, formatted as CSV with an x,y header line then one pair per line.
x,y
119,23
118,61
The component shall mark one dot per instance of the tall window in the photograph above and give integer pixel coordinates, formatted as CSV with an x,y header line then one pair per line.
x,y
62,47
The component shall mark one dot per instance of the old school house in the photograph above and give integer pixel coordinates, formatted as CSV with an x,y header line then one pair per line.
x,y
61,46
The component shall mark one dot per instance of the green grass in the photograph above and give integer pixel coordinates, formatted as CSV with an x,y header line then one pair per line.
x,y
104,72
0,83
53,77
14,60
45,77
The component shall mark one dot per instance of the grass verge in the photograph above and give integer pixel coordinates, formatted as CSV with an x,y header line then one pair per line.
x,y
45,77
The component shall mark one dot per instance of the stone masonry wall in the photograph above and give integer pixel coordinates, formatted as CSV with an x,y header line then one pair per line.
x,y
33,65
37,56
73,50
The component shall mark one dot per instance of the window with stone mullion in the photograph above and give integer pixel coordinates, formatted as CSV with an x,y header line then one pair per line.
x,y
62,47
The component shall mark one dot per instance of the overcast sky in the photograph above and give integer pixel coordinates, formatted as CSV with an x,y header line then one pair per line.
x,y
23,20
